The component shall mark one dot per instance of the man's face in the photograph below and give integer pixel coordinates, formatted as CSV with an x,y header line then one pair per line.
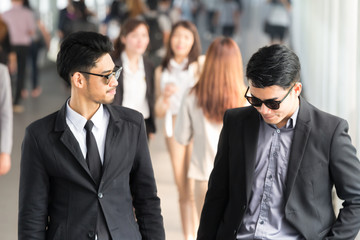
x,y
96,88
287,107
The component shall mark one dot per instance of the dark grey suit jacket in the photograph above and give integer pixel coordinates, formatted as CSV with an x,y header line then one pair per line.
x,y
321,156
58,198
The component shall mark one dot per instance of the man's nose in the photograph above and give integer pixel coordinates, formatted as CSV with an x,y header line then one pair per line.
x,y
113,81
264,109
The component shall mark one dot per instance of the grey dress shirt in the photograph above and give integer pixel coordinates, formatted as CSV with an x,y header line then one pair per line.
x,y
265,218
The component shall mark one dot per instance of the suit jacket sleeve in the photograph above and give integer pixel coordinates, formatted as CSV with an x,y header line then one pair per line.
x,y
34,191
345,171
143,188
217,195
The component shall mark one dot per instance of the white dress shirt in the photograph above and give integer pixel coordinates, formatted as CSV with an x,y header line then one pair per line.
x,y
135,87
76,123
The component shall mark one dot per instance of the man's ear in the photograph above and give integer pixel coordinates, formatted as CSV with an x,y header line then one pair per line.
x,y
78,80
298,88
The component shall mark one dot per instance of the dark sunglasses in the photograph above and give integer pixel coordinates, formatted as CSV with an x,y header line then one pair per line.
x,y
115,73
271,104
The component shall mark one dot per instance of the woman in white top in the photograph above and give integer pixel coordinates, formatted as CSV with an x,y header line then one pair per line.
x,y
178,72
220,87
136,88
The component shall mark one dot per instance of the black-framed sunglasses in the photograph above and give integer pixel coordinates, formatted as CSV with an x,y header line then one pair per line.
x,y
271,104
115,73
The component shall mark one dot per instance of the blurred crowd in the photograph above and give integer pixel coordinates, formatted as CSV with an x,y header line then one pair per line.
x,y
165,75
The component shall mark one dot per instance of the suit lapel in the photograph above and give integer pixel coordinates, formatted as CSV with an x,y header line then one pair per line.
x,y
301,135
111,134
251,128
68,139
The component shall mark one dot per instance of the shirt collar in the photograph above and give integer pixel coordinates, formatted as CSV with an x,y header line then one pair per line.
x,y
175,65
292,120
125,61
79,121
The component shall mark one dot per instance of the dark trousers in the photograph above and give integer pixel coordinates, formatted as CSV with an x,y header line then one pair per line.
x,y
228,31
21,55
34,52
211,21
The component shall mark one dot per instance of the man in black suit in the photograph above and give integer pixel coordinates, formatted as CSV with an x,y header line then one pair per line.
x,y
78,182
277,163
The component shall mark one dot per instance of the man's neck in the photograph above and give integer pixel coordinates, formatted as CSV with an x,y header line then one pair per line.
x,y
84,108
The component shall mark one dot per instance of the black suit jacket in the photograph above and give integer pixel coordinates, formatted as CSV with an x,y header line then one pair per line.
x,y
58,198
150,91
321,156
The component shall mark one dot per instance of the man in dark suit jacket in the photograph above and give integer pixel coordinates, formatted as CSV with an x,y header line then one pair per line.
x,y
277,163
61,197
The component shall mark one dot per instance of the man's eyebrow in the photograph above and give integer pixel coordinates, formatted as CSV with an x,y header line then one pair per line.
x,y
106,71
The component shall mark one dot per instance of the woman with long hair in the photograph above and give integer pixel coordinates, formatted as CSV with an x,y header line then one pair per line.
x,y
220,87
136,82
179,72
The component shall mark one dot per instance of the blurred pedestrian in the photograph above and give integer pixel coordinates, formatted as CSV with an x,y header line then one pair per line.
x,y
136,89
6,120
75,17
278,20
229,19
22,27
116,15
179,72
211,8
40,40
220,87
7,54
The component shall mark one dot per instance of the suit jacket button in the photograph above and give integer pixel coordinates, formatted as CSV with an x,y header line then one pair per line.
x,y
100,195
91,234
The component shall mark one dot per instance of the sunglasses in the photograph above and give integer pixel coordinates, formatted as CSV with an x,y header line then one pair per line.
x,y
271,104
115,73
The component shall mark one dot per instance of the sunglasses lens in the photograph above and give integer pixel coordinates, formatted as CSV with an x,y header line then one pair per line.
x,y
254,101
117,73
272,105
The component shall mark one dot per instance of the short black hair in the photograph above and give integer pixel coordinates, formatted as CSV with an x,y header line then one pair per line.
x,y
79,52
273,65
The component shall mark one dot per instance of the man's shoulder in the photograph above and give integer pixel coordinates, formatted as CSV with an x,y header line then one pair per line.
x,y
307,110
44,124
241,112
125,114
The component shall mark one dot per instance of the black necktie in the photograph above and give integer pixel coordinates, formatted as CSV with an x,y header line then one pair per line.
x,y
92,156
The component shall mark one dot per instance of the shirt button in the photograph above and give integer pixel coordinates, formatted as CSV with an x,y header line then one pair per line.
x,y
91,234
100,195
261,222
278,130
